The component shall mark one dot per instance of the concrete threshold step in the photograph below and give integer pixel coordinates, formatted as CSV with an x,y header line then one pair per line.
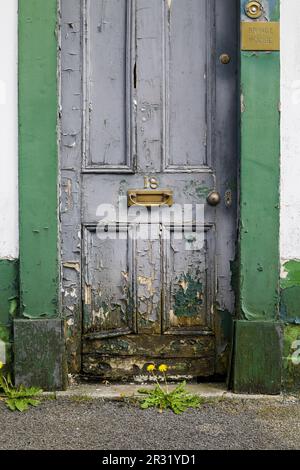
x,y
122,391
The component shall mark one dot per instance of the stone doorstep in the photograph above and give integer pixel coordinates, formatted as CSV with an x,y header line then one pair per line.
x,y
121,391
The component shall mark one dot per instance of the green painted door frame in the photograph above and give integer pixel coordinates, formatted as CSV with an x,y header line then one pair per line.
x,y
258,306
38,163
257,338
38,333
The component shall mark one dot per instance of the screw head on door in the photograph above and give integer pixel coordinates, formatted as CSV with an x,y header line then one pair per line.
x,y
225,59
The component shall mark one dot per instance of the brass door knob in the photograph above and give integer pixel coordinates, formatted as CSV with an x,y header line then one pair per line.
x,y
214,198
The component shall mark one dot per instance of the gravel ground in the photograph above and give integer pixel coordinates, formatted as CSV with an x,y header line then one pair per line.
x,y
96,424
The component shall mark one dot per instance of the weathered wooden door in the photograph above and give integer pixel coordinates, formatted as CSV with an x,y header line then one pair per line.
x,y
149,104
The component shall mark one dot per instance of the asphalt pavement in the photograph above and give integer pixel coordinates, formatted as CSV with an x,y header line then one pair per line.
x,y
82,422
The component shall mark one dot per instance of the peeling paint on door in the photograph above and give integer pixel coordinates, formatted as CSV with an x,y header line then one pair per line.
x,y
169,4
188,297
148,115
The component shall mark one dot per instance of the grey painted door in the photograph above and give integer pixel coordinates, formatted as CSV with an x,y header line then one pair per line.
x,y
147,105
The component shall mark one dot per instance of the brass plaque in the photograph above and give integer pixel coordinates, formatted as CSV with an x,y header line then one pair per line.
x,y
260,36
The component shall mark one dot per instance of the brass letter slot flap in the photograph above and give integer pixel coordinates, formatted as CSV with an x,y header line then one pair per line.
x,y
150,198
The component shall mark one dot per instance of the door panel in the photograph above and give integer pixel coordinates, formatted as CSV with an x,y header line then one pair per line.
x,y
106,54
158,111
188,284
147,283
187,34
107,290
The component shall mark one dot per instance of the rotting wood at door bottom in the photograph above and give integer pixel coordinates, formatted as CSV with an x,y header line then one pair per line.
x,y
159,346
124,357
122,368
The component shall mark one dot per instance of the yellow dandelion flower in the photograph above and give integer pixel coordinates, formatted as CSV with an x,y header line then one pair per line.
x,y
1,365
151,368
163,368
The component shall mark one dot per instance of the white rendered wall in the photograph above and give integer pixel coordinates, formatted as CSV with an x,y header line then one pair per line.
x,y
290,130
8,130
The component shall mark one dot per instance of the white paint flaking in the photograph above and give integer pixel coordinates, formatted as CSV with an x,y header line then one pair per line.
x,y
2,352
290,130
8,130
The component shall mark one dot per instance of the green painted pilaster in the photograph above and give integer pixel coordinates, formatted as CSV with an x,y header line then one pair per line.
x,y
38,362
257,356
38,165
260,177
257,352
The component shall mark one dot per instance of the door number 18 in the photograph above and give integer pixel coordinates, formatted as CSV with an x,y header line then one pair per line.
x,y
150,182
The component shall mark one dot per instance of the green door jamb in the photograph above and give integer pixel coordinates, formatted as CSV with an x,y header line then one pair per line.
x,y
257,365
38,337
